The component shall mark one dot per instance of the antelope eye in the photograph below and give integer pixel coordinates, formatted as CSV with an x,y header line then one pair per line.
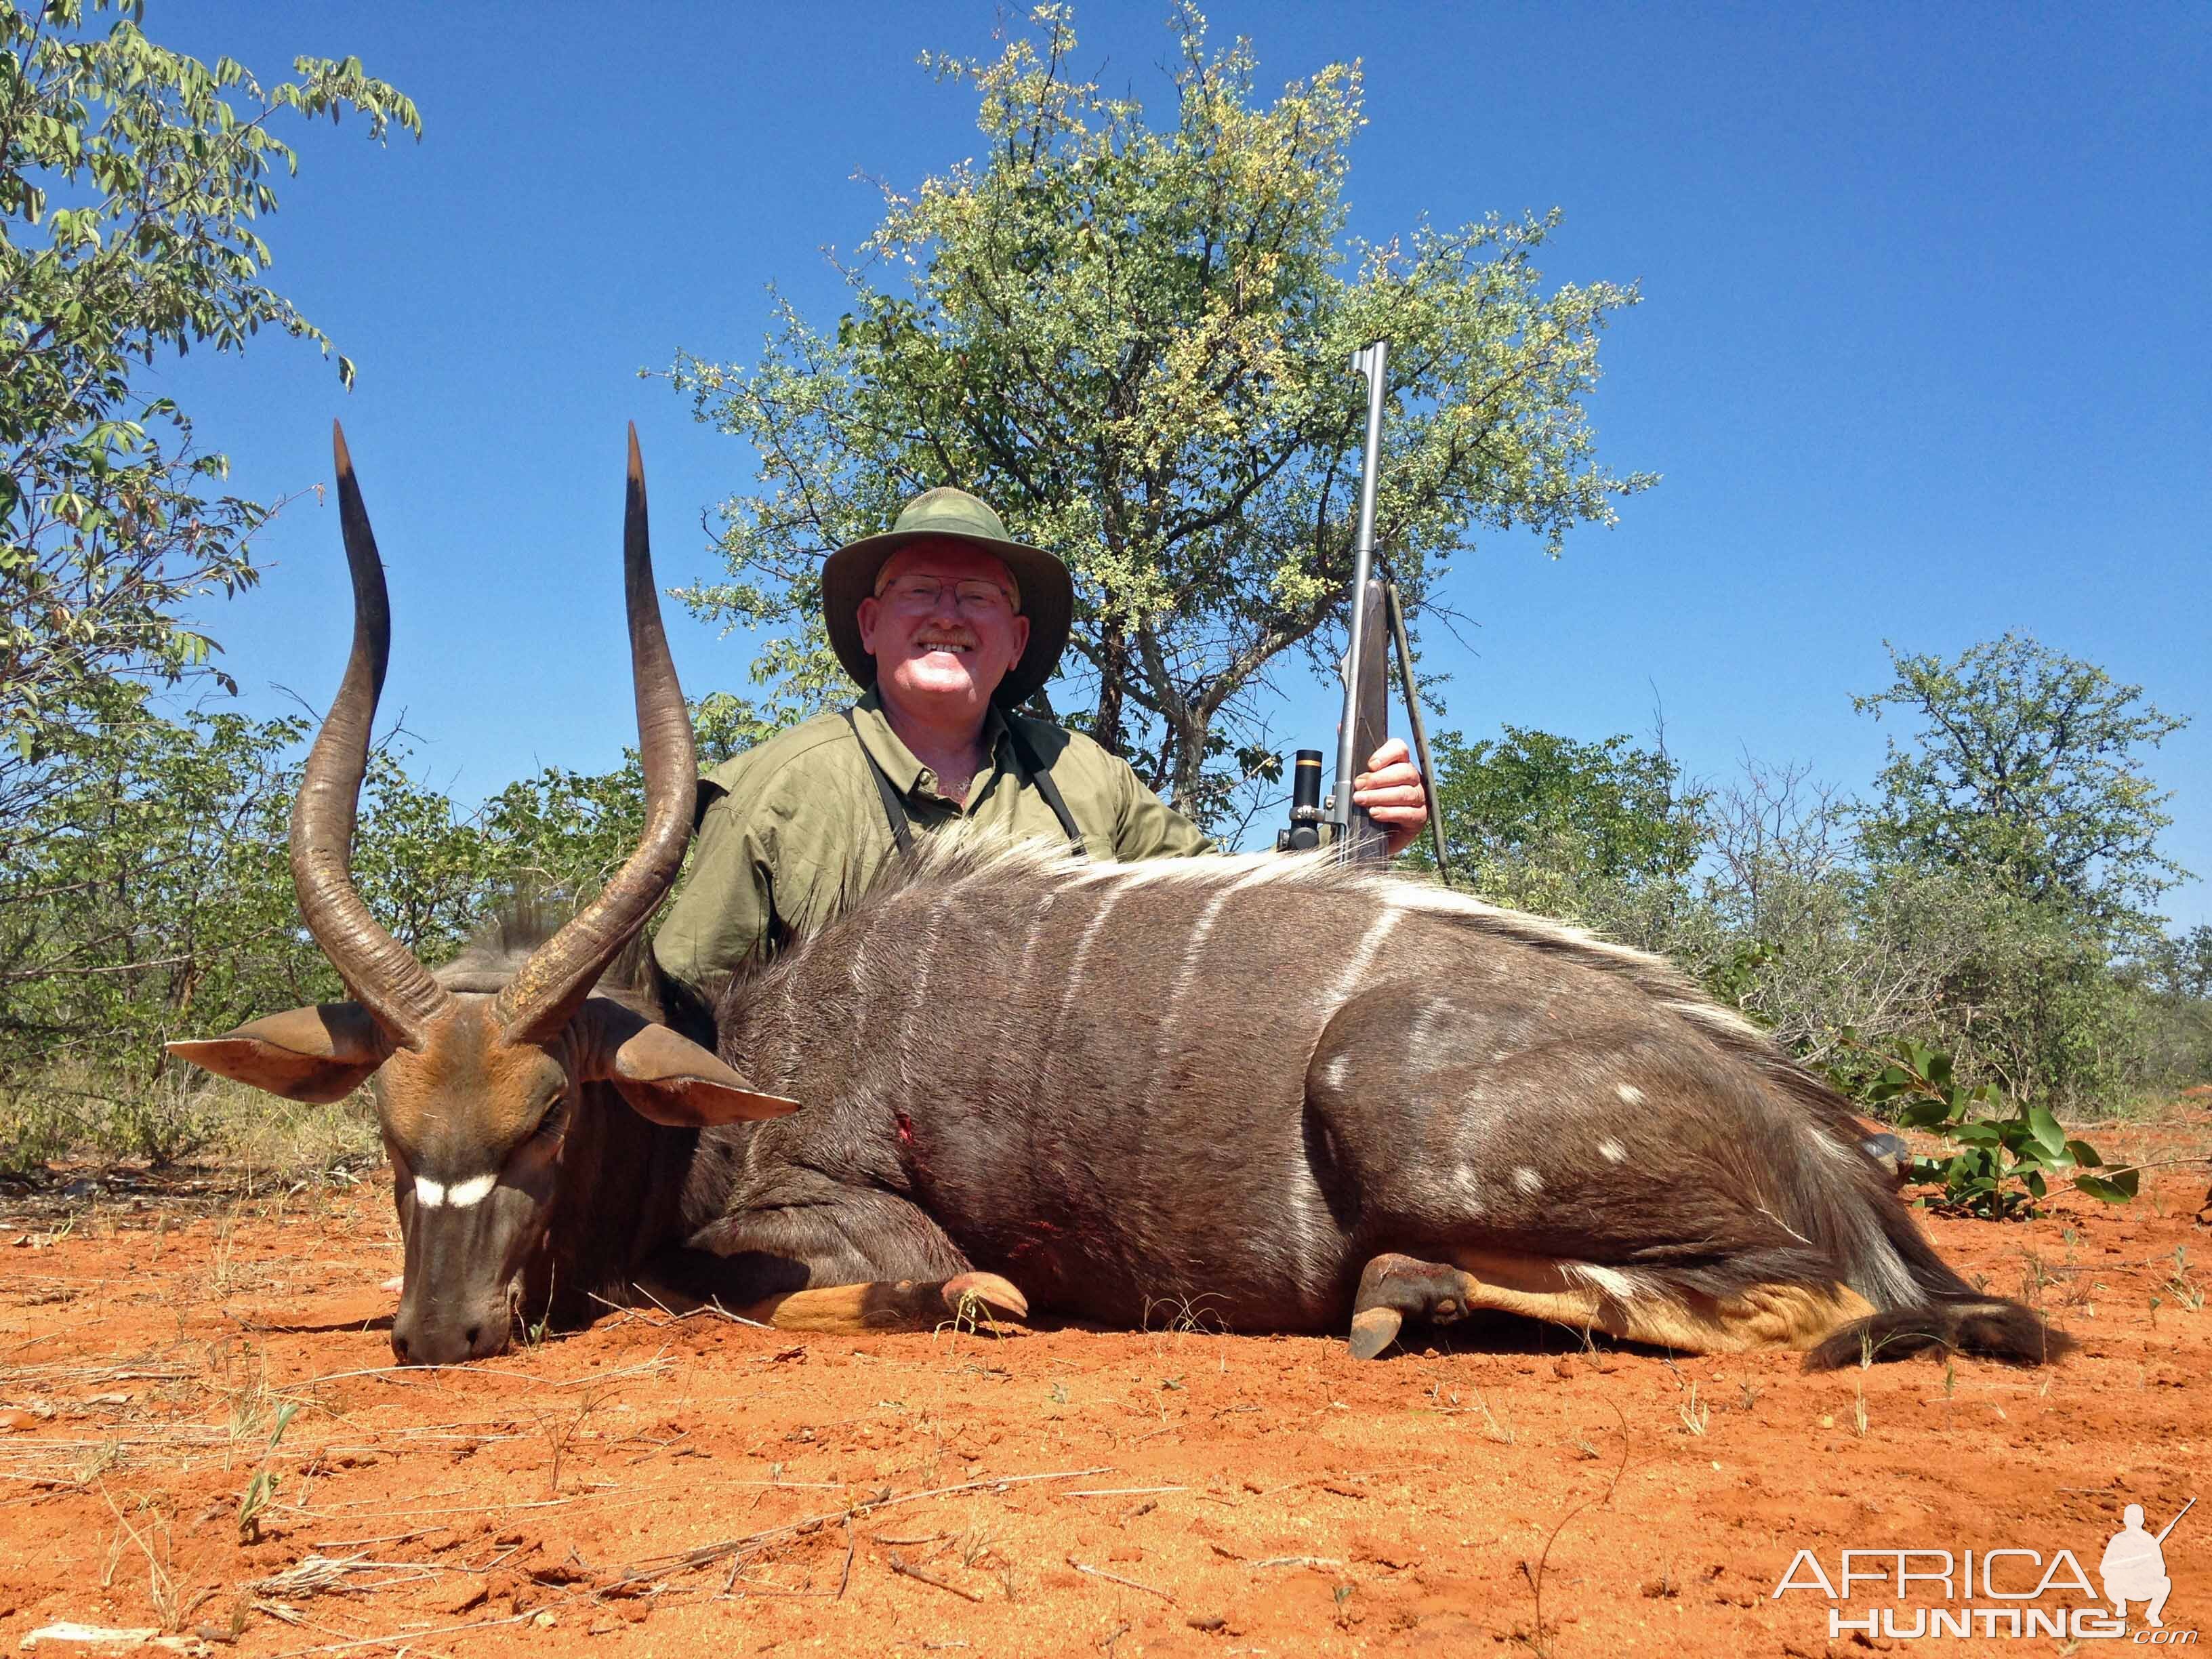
x,y
553,1120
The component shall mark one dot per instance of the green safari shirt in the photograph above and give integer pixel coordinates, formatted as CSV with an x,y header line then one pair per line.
x,y
791,829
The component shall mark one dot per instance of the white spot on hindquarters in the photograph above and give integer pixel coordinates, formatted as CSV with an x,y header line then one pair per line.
x,y
1423,1030
1467,1190
1528,1181
462,1193
1629,1095
1613,1152
1333,1074
428,1194
1363,958
1619,1285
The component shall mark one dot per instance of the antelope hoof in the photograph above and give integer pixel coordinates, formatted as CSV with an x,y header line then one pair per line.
x,y
1374,1329
980,1296
1395,1288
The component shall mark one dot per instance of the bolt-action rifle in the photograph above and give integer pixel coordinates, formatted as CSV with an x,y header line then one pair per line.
x,y
1364,724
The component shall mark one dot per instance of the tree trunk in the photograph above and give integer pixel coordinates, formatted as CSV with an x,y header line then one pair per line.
x,y
1191,732
1113,668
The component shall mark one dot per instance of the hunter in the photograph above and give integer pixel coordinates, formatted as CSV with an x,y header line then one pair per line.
x,y
947,624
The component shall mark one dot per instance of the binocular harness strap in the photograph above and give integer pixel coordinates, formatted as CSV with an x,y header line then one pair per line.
x,y
1024,758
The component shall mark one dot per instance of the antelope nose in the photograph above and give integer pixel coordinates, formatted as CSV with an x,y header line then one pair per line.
x,y
432,1341
445,1345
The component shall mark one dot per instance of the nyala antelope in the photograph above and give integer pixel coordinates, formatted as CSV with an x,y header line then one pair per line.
x,y
1089,1089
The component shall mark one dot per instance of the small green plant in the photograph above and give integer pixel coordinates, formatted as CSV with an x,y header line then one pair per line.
x,y
261,1490
2001,1164
2180,1286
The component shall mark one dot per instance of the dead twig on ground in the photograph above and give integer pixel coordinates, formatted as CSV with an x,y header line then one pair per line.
x,y
1101,1573
1537,1643
691,1560
408,1640
907,1569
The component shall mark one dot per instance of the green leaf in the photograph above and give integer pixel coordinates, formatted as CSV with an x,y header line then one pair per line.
x,y
2117,1188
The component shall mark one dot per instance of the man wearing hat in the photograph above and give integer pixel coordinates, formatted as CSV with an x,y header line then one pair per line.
x,y
948,625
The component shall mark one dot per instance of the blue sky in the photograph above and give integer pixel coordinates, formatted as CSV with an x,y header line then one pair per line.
x,y
1922,356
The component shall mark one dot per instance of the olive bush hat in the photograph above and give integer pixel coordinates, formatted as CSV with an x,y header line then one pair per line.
x,y
1048,595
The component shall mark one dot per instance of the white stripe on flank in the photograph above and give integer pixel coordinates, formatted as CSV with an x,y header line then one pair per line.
x,y
919,997
1631,1095
1613,1152
1186,976
1364,957
1036,932
1528,1181
789,1020
1052,1045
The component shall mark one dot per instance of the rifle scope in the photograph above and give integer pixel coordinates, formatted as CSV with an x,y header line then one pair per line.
x,y
1304,833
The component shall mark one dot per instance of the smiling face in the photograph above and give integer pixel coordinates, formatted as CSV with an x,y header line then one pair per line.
x,y
942,657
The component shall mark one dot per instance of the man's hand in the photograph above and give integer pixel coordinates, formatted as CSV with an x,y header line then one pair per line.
x,y
1392,792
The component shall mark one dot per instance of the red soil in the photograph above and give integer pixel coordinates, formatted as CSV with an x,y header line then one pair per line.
x,y
1070,1491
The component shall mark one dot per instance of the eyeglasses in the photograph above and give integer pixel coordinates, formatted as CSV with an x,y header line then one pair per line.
x,y
973,597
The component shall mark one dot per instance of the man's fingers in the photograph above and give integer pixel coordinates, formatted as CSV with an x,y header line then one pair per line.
x,y
1412,815
1404,794
1388,777
1390,754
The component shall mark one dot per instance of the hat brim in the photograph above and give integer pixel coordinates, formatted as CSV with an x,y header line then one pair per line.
x,y
848,575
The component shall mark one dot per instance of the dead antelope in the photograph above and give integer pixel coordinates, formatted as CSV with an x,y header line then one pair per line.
x,y
1123,1088
541,1133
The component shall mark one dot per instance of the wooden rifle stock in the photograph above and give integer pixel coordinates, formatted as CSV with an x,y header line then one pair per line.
x,y
1369,699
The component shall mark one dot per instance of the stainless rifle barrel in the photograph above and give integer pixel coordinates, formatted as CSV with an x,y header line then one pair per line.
x,y
1369,361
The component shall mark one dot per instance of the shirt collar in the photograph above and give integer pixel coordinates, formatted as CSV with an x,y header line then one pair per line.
x,y
897,761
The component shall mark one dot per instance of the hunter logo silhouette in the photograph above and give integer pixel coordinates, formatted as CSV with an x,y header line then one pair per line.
x,y
2134,1567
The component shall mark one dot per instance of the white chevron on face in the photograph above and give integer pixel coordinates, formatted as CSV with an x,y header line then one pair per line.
x,y
431,1194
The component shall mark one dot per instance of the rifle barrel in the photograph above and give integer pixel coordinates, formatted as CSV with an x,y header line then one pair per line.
x,y
2176,1522
1370,361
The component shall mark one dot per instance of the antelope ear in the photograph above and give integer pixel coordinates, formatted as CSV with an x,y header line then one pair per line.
x,y
316,1054
671,1079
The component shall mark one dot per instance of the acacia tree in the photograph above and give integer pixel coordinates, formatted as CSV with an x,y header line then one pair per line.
x,y
131,180
1135,343
2026,767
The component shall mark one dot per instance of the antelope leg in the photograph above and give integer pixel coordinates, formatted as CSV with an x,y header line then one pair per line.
x,y
810,1254
1638,1305
984,1300
1641,1305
